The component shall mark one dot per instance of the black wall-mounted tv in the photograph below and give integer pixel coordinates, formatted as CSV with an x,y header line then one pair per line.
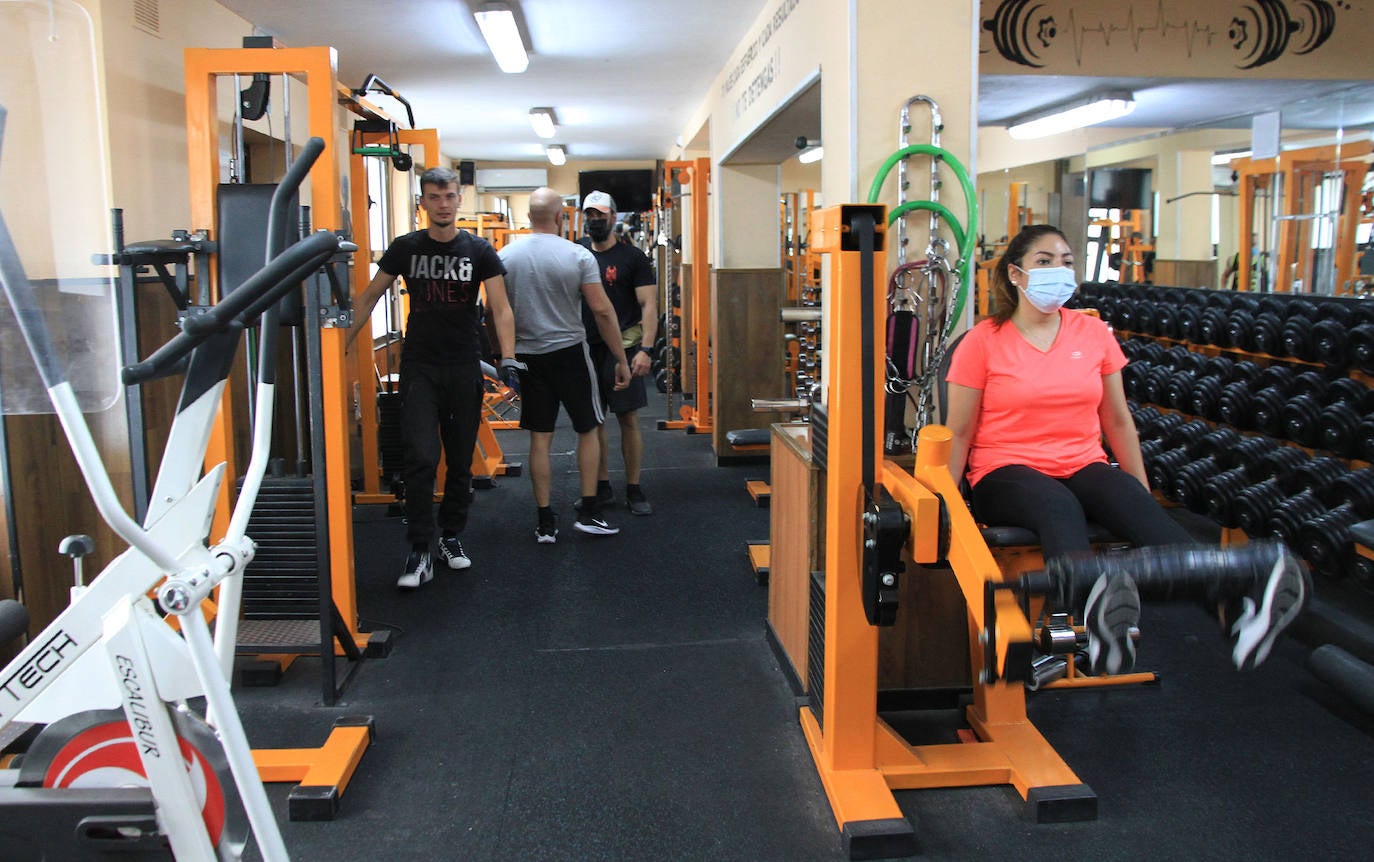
x,y
1120,188
633,189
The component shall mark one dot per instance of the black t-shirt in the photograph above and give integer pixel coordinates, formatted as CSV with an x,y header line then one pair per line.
x,y
623,268
442,279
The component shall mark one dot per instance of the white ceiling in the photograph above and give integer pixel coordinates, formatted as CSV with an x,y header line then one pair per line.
x,y
626,76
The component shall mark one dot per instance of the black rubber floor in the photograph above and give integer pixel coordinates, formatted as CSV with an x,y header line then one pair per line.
x,y
615,698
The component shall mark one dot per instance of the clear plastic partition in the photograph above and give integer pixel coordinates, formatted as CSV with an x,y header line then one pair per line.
x,y
55,205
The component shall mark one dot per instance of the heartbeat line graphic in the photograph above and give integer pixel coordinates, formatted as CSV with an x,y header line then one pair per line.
x,y
1192,31
1258,31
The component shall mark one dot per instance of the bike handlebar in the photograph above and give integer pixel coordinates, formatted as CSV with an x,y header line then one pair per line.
x,y
263,288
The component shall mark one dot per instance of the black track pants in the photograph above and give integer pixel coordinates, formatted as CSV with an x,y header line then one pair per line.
x,y
440,404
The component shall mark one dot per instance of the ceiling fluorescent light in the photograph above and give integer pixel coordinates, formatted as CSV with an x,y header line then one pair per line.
x,y
1095,109
543,121
811,154
497,23
1226,158
557,153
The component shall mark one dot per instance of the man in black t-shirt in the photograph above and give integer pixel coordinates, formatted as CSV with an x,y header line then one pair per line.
x,y
629,280
441,381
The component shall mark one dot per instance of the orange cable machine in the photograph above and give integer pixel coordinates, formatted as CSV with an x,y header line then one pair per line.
x,y
322,773
876,515
696,418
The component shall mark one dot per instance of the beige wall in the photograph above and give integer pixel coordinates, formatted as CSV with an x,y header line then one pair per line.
x,y
749,217
883,86
147,105
789,43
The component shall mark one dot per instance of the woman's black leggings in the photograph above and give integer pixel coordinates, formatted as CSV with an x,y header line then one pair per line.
x,y
1059,510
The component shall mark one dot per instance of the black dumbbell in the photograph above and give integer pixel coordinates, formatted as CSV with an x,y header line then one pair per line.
x,y
1339,426
1266,336
1190,482
1251,507
1248,451
1314,474
1278,462
1329,343
1325,540
1359,343
1220,491
1288,516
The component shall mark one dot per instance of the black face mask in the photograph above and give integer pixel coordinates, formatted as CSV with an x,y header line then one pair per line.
x,y
599,230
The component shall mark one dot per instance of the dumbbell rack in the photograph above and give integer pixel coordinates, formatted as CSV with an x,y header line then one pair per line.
x,y
1275,441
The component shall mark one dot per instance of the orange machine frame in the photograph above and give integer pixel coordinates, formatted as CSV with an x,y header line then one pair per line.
x,y
1254,174
329,768
698,417
861,759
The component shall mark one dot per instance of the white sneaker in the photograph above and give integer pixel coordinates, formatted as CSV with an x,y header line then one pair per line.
x,y
1113,608
451,550
595,525
1282,597
418,570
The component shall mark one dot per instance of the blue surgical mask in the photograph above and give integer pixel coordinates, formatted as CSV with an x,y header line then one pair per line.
x,y
1048,288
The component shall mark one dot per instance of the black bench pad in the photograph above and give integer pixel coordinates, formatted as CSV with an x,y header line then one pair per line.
x,y
748,437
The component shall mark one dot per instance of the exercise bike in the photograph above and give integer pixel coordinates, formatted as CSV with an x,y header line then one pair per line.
x,y
123,765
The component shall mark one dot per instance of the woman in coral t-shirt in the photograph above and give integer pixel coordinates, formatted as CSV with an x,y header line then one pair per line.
x,y
1032,392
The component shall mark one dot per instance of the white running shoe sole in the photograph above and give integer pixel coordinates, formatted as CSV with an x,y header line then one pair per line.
x,y
412,580
596,529
1112,610
1258,627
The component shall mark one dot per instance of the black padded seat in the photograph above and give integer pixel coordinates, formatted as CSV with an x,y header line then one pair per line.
x,y
160,247
1364,533
1011,537
747,437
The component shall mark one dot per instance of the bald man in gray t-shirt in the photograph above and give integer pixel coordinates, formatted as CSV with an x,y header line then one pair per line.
x,y
547,280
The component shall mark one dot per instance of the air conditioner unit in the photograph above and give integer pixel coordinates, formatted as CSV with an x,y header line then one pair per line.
x,y
511,179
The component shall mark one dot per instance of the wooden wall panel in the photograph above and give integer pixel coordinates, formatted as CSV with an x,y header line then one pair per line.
x,y
795,548
747,349
1186,273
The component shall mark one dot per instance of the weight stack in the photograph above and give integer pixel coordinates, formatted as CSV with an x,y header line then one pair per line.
x,y
815,649
283,581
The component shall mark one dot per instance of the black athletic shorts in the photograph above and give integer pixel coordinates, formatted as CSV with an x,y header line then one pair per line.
x,y
626,400
561,377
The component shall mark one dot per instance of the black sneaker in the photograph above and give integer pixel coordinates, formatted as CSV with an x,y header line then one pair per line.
x,y
418,570
605,498
595,525
637,503
1279,599
1113,609
451,551
547,534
